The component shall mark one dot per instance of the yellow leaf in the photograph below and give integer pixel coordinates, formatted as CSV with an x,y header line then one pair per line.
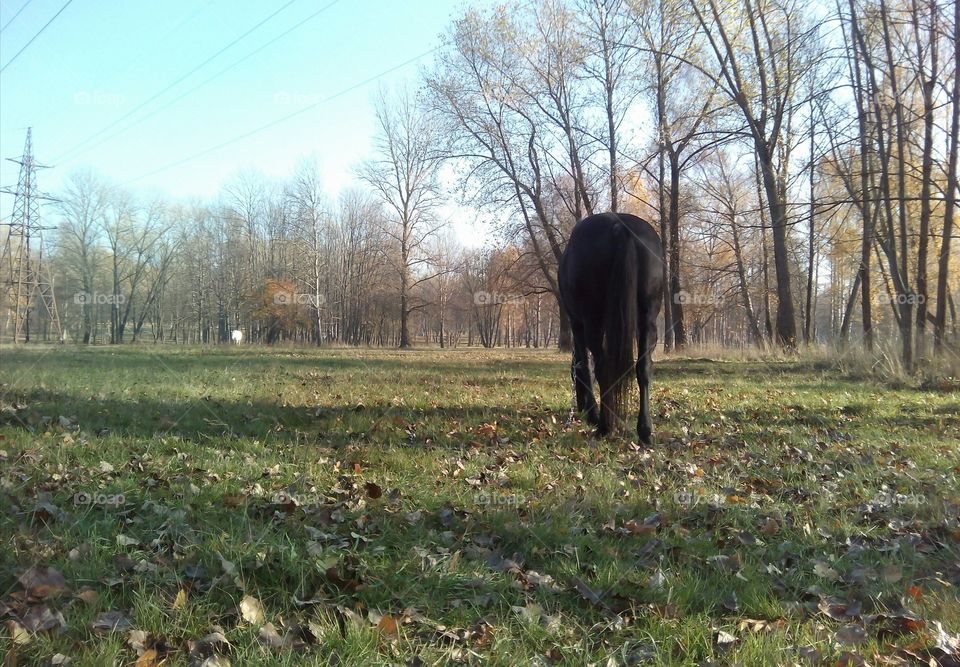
x,y
147,659
181,600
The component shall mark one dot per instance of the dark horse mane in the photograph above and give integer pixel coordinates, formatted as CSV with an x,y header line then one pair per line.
x,y
611,287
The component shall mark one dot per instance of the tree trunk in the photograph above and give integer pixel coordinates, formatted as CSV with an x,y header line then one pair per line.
x,y
943,265
786,325
808,309
665,240
679,331
564,335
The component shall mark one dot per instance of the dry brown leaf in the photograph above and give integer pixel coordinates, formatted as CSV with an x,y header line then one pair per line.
x,y
851,634
388,625
148,658
18,633
88,595
111,621
637,528
43,582
251,610
269,636
41,619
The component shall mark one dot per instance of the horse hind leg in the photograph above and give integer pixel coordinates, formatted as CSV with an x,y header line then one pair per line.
x,y
607,422
646,343
582,378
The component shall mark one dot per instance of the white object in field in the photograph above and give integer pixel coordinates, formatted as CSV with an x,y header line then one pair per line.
x,y
236,336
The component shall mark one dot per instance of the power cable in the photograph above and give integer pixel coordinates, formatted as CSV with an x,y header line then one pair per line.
x,y
282,119
111,125
12,18
39,32
189,91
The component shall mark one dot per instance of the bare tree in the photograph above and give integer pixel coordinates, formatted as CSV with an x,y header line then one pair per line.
x,y
950,189
83,207
609,33
777,47
404,176
310,213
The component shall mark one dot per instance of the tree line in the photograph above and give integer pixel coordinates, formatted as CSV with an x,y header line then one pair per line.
x,y
799,162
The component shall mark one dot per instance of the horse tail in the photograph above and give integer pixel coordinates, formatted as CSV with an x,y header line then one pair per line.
x,y
620,329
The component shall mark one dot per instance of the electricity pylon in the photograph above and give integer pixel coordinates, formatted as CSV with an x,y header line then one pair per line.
x,y
25,280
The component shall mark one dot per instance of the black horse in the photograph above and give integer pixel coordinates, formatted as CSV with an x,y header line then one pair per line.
x,y
611,286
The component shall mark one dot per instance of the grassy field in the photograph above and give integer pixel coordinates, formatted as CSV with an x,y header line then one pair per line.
x,y
283,507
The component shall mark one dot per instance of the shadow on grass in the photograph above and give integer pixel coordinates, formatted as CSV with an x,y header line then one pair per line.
x,y
207,417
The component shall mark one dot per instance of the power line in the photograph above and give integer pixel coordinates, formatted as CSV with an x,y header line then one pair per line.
x,y
137,108
13,18
189,91
282,119
45,26
131,65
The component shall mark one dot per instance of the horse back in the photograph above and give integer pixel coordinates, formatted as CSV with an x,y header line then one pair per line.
x,y
594,245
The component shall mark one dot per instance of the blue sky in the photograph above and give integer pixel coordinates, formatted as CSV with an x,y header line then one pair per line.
x,y
100,60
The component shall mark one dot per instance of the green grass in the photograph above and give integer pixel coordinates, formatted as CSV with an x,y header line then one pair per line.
x,y
443,491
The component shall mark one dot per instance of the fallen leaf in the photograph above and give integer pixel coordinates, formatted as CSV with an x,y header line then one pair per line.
x,y
637,528
42,619
88,595
233,499
388,625
111,621
18,633
42,582
229,568
127,541
180,601
725,639
138,640
207,651
269,636
252,610
657,580
530,612
851,634
824,571
148,658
